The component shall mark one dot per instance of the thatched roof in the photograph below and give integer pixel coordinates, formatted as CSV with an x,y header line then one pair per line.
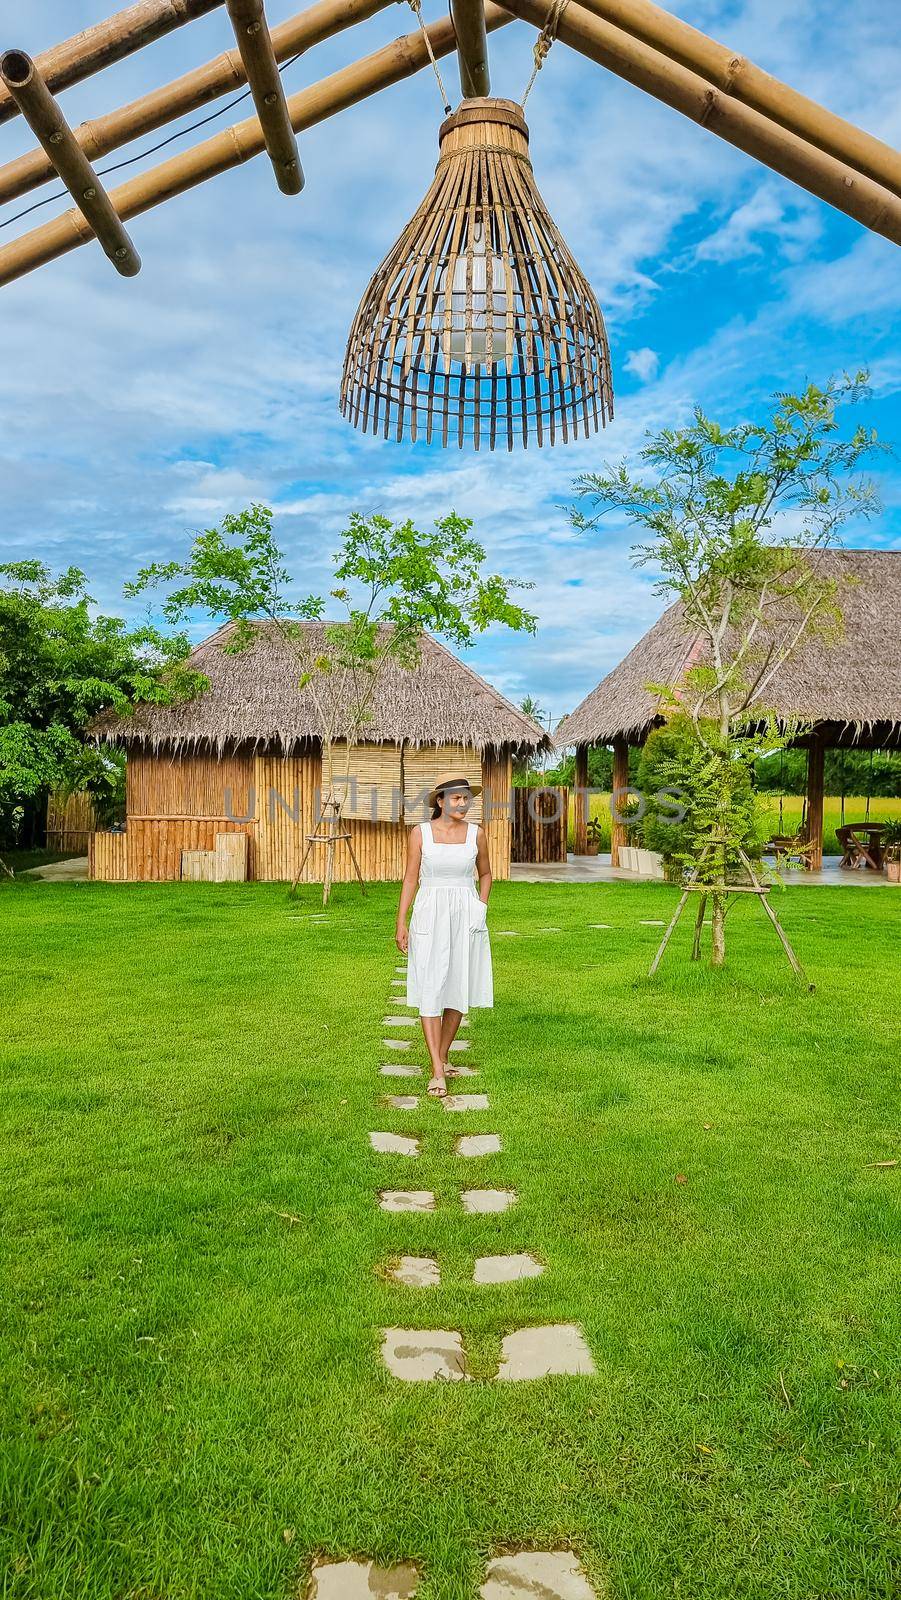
x,y
854,684
253,698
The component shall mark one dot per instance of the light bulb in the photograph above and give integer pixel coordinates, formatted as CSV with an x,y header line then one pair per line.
x,y
478,304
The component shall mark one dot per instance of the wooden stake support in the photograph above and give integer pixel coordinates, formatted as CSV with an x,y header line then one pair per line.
x,y
330,819
837,182
183,95
472,47
240,143
47,123
108,41
706,890
261,68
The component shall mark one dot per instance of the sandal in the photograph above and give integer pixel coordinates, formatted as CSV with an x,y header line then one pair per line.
x,y
437,1089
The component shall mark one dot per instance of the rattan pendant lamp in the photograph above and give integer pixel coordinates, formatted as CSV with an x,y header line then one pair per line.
x,y
479,326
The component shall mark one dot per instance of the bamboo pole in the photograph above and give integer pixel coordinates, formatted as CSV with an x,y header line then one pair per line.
x,y
37,105
472,47
240,143
108,41
185,94
248,19
735,75
785,152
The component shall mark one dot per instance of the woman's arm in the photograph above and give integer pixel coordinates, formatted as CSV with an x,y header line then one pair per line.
x,y
408,886
483,865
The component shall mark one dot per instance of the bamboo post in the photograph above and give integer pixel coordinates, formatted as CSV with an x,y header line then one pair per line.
x,y
185,94
248,19
618,833
699,927
108,41
816,763
837,182
472,47
580,802
735,75
394,62
47,123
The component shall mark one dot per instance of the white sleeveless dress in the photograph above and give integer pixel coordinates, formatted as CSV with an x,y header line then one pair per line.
x,y
449,955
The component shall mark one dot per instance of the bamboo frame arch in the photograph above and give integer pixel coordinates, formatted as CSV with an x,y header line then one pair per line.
x,y
725,93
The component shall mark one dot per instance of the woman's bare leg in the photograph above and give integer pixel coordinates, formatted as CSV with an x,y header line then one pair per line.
x,y
450,1022
431,1027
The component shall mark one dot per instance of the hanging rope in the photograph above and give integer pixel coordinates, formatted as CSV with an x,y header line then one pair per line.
x,y
416,8
544,41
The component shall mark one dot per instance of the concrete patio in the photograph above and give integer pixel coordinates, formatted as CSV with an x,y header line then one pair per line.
x,y
597,869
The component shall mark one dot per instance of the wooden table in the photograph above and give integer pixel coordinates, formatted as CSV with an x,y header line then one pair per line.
x,y
861,843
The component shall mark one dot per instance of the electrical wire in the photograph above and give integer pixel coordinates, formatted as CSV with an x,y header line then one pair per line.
x,y
142,155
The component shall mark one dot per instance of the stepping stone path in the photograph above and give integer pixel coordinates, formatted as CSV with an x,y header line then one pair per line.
x,y
415,1355
528,1574
543,1352
361,1580
407,1200
460,1070
485,1200
394,1144
506,1269
466,1102
417,1272
420,1357
478,1144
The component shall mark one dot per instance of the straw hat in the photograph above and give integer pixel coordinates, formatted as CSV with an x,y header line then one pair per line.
x,y
454,778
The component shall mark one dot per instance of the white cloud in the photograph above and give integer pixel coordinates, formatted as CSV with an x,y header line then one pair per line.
x,y
643,363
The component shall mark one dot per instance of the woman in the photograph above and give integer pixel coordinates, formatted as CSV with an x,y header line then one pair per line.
x,y
449,956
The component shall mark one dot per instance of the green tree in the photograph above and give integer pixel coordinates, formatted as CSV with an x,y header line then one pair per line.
x,y
386,573
59,665
736,517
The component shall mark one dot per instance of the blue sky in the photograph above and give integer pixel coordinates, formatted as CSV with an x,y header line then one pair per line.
x,y
137,411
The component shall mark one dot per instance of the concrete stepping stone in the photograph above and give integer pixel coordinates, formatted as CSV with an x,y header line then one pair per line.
x,y
398,1022
417,1272
399,1069
420,1356
652,922
550,930
394,1144
462,1071
478,1201
599,924
506,1269
400,969
507,933
527,1574
361,1580
478,1144
460,1044
466,1102
403,1102
544,1352
407,1200
396,1044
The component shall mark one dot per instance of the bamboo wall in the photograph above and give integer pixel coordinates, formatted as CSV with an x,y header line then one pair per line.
x,y
108,857
71,820
177,803
542,836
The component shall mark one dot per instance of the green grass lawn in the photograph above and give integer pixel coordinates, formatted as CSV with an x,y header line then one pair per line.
x,y
881,810
191,1303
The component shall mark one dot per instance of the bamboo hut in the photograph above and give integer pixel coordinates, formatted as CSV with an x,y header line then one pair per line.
x,y
245,756
850,691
